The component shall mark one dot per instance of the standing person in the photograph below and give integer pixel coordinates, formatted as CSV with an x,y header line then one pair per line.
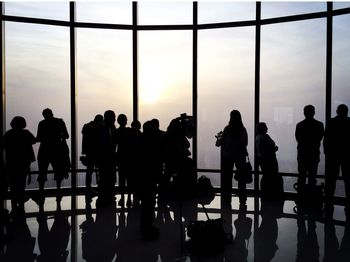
x,y
53,149
336,145
308,134
89,149
271,182
233,144
18,144
151,162
123,136
106,159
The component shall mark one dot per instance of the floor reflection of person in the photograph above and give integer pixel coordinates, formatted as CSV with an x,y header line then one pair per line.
x,y
87,228
20,246
53,242
267,233
104,234
243,225
307,246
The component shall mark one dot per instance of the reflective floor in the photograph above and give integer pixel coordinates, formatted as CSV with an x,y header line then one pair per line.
x,y
75,230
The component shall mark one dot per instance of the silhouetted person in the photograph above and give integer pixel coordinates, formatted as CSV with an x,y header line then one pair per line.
x,y
106,159
20,246
152,165
52,135
243,225
233,144
161,134
337,149
18,144
307,246
271,181
124,139
89,148
136,169
178,164
3,182
53,242
308,134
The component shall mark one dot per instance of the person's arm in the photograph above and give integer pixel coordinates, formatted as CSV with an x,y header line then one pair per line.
x,y
64,131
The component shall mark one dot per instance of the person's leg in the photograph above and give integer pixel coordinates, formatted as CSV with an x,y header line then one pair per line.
x,y
345,168
302,170
242,192
312,170
226,176
332,173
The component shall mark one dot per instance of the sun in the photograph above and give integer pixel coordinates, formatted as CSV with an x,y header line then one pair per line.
x,y
150,95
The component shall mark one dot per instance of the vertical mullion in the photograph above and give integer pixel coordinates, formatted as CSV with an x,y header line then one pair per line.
x,y
256,117
194,79
73,105
257,88
3,88
329,52
2,101
135,61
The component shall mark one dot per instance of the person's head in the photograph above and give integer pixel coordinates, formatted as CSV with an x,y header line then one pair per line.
x,y
47,113
98,119
235,118
109,117
147,127
261,128
136,124
18,122
342,110
155,123
122,120
309,111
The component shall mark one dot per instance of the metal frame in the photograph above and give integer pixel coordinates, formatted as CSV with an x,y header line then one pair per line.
x,y
258,22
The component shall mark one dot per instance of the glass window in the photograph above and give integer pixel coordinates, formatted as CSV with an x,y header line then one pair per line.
x,y
216,12
165,75
46,10
104,74
341,62
293,68
277,9
37,74
165,13
341,67
226,64
104,12
339,5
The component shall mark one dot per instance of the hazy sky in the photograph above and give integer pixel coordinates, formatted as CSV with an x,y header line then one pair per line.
x,y
292,67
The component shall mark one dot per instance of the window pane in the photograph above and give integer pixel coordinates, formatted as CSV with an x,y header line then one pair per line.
x,y
216,12
341,69
104,12
276,9
166,13
225,82
47,10
37,75
165,75
292,75
341,62
339,5
104,74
